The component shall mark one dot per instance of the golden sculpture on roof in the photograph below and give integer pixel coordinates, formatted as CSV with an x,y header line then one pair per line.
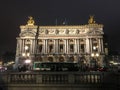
x,y
91,20
30,21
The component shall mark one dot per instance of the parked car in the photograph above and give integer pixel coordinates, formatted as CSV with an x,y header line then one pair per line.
x,y
2,68
102,69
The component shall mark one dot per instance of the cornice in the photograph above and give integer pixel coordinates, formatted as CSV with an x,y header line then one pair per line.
x,y
73,26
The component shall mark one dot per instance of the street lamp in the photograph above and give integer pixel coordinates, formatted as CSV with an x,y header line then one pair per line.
x,y
94,47
95,55
27,61
26,54
26,47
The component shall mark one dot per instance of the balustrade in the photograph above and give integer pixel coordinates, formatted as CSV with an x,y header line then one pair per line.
x,y
88,78
55,78
22,78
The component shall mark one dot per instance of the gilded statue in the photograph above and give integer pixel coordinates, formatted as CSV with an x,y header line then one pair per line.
x,y
91,20
30,21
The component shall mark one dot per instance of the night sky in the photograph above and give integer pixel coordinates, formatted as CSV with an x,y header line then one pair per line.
x,y
14,13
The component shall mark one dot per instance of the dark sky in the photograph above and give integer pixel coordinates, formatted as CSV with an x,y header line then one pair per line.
x,y
14,13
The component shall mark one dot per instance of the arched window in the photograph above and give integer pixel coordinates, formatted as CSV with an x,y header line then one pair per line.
x,y
50,48
71,48
40,48
50,59
61,59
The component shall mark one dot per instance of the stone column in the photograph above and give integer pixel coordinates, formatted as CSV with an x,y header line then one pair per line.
x,y
87,45
31,46
23,47
18,48
99,46
78,45
20,44
54,46
84,45
44,46
102,47
91,45
75,46
58,46
67,46
35,46
65,42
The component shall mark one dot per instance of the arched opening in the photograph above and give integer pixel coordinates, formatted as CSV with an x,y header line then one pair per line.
x,y
50,59
40,59
71,59
61,59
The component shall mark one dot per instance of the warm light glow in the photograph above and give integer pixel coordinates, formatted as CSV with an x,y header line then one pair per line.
x,y
23,54
27,61
97,54
28,54
94,48
26,47
92,55
111,62
115,63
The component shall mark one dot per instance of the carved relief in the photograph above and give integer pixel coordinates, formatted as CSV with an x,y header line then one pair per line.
x,y
41,31
67,31
61,31
56,31
46,31
30,34
77,31
51,31
95,32
27,41
82,31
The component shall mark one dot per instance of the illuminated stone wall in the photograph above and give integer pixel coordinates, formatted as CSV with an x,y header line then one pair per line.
x,y
66,43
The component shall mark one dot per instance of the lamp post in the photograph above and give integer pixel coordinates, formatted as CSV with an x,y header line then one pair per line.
x,y
27,61
95,56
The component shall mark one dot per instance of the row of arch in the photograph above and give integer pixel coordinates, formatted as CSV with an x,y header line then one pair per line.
x,y
51,59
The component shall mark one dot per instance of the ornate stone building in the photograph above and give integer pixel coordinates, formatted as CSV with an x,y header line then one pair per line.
x,y
63,43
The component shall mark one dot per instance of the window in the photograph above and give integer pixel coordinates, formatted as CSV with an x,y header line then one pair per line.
x,y
50,48
61,47
71,48
40,48
82,48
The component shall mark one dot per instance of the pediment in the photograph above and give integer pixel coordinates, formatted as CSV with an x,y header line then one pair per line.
x,y
27,34
96,32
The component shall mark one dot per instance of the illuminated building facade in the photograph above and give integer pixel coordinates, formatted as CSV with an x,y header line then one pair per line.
x,y
65,43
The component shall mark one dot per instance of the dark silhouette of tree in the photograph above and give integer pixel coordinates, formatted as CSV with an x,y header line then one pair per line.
x,y
8,56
